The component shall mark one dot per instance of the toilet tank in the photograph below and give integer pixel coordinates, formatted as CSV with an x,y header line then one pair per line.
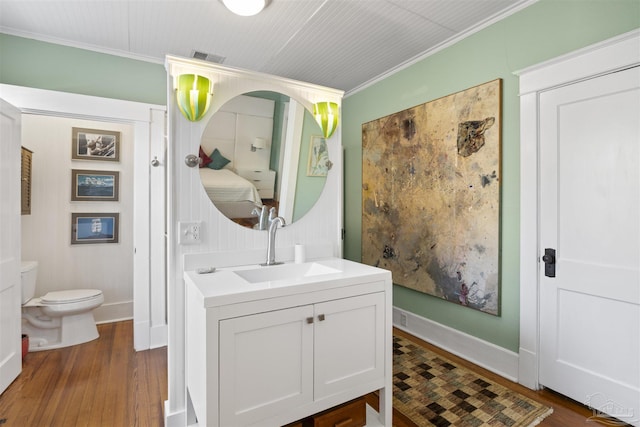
x,y
28,273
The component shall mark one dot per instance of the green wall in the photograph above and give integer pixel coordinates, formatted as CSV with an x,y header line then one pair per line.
x,y
308,188
540,32
31,63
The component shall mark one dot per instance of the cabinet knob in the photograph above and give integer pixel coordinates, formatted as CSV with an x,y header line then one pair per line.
x,y
321,317
309,319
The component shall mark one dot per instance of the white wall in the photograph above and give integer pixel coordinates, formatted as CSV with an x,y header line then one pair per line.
x,y
234,128
46,233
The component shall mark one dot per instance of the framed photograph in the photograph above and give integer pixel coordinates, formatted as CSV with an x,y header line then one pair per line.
x,y
87,185
94,228
318,157
95,144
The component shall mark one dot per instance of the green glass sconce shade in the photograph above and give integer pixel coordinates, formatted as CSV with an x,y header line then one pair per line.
x,y
193,94
326,114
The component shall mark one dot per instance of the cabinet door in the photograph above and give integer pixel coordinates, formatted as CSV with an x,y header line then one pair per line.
x,y
266,365
349,343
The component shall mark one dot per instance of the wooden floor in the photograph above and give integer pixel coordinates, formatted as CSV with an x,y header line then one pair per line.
x,y
106,383
101,383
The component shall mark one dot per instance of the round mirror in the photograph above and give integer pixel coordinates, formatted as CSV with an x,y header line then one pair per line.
x,y
263,155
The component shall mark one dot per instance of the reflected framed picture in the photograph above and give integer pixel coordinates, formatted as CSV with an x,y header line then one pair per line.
x,y
93,185
94,228
95,144
318,157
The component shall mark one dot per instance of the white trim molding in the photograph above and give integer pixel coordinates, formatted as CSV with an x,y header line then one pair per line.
x,y
148,120
485,354
609,56
517,7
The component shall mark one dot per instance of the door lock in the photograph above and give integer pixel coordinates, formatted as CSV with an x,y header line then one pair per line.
x,y
549,259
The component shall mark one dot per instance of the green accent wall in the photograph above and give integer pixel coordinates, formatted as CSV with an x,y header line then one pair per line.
x,y
540,32
31,63
308,188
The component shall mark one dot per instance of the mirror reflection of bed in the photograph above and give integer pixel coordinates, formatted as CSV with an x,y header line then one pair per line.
x,y
250,164
235,196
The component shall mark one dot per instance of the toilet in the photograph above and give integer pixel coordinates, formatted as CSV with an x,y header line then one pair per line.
x,y
57,319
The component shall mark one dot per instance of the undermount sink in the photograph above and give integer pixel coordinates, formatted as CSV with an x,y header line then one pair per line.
x,y
285,272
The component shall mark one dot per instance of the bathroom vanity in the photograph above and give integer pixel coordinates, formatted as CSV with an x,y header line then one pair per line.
x,y
267,346
275,344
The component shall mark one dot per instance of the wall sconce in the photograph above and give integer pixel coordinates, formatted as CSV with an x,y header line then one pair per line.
x,y
259,144
193,93
326,114
245,7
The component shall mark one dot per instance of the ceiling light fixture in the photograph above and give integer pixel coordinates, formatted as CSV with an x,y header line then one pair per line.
x,y
245,7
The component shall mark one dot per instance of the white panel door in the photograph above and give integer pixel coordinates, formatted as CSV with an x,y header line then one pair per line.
x,y
10,323
590,214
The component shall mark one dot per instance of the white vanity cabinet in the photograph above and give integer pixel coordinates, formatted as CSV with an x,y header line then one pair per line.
x,y
276,360
268,357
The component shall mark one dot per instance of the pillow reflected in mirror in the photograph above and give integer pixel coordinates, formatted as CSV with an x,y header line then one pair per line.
x,y
204,159
218,161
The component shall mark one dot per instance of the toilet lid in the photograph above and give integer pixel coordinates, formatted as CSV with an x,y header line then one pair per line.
x,y
74,295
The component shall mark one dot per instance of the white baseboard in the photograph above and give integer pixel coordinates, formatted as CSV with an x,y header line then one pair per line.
x,y
147,337
158,336
528,370
485,354
176,419
141,335
113,312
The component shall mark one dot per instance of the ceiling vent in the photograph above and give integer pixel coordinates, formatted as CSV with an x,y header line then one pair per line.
x,y
207,57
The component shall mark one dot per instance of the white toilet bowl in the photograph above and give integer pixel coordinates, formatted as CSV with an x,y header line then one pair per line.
x,y
57,319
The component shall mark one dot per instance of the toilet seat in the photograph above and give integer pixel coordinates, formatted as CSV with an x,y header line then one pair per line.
x,y
69,296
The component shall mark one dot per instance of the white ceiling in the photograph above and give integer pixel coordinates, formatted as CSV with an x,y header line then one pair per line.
x,y
342,44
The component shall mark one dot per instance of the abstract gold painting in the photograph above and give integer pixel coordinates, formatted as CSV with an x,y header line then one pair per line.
x,y
431,196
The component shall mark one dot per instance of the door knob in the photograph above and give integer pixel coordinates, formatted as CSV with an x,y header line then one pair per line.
x,y
192,160
549,259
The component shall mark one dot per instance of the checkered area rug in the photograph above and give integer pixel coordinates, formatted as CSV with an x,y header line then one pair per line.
x,y
432,391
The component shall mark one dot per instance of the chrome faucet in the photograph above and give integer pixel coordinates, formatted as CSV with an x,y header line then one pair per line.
x,y
262,218
271,245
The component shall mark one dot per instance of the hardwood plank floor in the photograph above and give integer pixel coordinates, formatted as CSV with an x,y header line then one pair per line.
x,y
100,383
106,383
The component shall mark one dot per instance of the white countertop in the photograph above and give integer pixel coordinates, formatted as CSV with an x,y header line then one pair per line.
x,y
224,286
